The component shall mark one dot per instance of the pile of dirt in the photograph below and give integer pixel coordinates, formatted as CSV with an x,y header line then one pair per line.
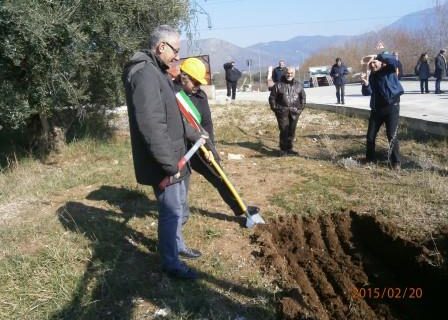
x,y
350,266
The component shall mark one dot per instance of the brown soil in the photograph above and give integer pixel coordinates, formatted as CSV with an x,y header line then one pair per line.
x,y
321,263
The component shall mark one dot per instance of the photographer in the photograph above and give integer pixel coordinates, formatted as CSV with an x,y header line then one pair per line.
x,y
384,90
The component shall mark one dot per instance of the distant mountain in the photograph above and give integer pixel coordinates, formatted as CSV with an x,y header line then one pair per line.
x,y
414,22
297,49
221,51
294,51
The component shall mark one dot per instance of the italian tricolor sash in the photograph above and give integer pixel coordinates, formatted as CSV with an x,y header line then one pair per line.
x,y
184,100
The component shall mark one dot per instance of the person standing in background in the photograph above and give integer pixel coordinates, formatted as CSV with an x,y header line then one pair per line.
x,y
232,77
287,100
440,70
278,71
399,65
338,73
422,71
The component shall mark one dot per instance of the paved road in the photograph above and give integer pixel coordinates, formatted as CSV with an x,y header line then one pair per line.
x,y
428,107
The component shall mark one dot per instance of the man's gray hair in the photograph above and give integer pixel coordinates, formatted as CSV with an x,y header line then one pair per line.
x,y
161,33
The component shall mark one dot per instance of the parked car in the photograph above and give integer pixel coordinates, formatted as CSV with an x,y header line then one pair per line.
x,y
306,84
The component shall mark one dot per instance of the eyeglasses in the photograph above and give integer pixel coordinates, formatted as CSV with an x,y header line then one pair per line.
x,y
176,51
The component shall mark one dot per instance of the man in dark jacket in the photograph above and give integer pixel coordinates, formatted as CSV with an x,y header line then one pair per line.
x,y
158,139
384,90
338,73
440,70
287,100
423,72
278,71
399,65
232,77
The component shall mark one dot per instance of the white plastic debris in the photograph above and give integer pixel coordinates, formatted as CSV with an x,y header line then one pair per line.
x,y
235,156
349,163
162,312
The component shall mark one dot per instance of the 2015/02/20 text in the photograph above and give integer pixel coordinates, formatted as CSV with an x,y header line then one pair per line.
x,y
387,293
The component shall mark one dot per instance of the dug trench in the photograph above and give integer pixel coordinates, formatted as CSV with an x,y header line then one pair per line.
x,y
352,266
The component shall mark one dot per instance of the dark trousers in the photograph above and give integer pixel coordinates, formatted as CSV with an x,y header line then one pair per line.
x,y
340,92
215,180
231,89
424,83
390,119
287,123
438,80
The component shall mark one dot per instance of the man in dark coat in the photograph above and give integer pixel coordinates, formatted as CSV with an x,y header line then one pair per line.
x,y
440,69
287,100
338,73
158,139
384,90
399,65
278,71
232,77
422,71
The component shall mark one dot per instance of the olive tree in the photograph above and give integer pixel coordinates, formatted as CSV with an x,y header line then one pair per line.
x,y
58,54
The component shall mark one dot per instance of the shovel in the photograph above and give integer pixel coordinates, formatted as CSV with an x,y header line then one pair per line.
x,y
253,216
182,162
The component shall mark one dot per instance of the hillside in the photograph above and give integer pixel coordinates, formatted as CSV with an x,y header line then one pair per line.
x,y
299,48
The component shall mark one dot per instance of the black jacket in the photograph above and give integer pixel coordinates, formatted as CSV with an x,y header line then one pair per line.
x,y
440,67
422,70
384,88
287,95
277,74
158,133
232,73
338,74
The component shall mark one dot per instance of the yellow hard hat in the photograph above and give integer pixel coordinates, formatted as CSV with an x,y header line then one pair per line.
x,y
195,68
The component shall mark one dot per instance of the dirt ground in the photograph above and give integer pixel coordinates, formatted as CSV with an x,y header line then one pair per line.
x,y
78,233
351,266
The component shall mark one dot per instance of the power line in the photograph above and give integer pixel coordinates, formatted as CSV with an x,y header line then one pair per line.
x,y
304,22
208,2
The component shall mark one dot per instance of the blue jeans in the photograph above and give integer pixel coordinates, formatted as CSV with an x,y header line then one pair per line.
x,y
172,205
340,92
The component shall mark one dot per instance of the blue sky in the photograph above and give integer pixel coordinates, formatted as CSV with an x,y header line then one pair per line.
x,y
246,22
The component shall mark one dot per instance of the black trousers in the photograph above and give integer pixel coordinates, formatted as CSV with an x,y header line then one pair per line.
x,y
424,83
231,89
287,124
438,80
389,116
340,92
200,166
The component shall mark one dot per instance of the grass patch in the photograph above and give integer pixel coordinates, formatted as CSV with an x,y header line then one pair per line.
x,y
78,237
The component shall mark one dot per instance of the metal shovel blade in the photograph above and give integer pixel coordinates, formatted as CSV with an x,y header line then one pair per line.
x,y
253,217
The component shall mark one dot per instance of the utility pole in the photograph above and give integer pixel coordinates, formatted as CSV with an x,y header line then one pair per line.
x,y
259,69
249,63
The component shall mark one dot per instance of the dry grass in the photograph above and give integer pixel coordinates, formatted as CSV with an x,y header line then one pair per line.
x,y
78,236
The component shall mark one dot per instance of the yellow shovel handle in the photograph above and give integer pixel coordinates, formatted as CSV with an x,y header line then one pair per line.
x,y
223,176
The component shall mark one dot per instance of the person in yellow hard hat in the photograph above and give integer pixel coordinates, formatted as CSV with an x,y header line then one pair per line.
x,y
192,75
